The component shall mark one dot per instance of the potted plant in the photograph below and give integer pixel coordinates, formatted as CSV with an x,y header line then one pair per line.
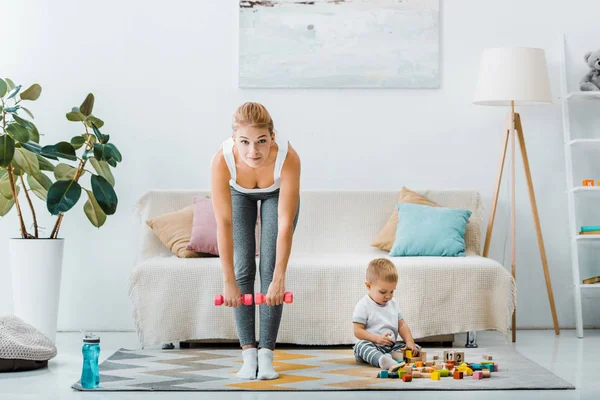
x,y
26,168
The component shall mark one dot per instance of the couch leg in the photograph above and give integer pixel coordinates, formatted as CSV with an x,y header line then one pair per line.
x,y
168,346
471,340
184,345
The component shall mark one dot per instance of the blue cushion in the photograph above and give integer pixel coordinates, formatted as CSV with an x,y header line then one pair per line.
x,y
430,231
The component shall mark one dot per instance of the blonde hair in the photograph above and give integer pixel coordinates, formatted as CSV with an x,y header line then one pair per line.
x,y
382,268
253,114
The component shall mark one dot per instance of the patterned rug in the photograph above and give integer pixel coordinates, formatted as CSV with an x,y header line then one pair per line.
x,y
302,370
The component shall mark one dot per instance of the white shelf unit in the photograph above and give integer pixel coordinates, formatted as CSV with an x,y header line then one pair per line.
x,y
572,190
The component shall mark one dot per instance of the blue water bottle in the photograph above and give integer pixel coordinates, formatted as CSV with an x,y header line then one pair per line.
x,y
90,375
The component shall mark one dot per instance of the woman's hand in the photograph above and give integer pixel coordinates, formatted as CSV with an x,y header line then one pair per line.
x,y
275,292
232,295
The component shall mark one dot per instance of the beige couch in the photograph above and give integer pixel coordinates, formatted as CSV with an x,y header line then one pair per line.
x,y
172,297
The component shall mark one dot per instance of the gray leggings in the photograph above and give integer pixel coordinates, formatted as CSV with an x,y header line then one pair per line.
x,y
244,210
369,352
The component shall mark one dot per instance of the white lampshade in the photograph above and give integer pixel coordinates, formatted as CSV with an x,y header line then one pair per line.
x,y
513,74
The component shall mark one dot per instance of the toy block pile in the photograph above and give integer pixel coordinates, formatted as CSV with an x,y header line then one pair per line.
x,y
452,364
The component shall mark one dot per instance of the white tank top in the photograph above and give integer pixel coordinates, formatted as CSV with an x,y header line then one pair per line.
x,y
229,158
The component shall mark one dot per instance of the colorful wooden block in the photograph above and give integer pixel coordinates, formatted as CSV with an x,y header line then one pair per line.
x,y
477,375
476,367
486,373
414,360
397,367
425,375
436,357
429,369
448,355
423,355
417,374
458,375
487,357
487,363
444,373
435,376
495,367
419,364
408,368
429,363
588,182
459,356
407,378
408,354
393,375
402,372
383,374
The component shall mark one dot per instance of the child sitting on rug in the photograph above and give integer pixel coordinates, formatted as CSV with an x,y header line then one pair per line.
x,y
377,321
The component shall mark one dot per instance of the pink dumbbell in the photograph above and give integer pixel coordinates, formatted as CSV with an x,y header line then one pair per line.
x,y
260,298
246,299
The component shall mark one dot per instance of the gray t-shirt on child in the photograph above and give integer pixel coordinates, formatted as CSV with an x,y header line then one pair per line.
x,y
379,319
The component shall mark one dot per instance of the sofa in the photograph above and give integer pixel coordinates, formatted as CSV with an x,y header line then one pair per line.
x,y
172,298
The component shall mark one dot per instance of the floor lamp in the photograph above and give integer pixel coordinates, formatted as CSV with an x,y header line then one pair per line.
x,y
509,77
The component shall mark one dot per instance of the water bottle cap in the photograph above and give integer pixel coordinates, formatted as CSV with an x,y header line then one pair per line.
x,y
90,338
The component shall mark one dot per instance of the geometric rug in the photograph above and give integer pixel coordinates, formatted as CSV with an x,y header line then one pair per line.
x,y
302,370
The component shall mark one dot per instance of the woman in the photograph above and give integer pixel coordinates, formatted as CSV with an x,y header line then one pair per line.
x,y
255,164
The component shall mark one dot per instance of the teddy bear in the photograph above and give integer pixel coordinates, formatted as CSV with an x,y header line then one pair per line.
x,y
591,82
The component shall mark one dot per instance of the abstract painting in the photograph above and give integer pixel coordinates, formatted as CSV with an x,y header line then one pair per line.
x,y
339,44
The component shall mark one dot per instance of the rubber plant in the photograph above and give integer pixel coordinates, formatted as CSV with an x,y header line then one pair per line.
x,y
27,166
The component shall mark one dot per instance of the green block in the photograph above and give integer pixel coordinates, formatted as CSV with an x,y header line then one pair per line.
x,y
444,373
402,373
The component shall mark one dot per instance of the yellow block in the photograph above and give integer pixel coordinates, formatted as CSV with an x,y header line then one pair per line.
x,y
408,354
435,376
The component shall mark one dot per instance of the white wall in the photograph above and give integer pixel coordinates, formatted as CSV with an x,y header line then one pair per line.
x,y
165,79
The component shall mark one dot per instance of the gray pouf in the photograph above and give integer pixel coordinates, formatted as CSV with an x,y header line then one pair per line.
x,y
22,347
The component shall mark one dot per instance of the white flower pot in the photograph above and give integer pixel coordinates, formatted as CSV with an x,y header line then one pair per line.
x,y
36,267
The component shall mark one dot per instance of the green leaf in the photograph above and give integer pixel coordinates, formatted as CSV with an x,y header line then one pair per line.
x,y
17,171
28,112
99,151
13,92
5,187
5,205
61,149
64,172
18,133
105,194
112,162
12,109
3,87
114,152
75,116
94,120
88,154
103,170
101,138
34,135
27,161
62,196
10,84
33,147
7,150
77,142
39,184
87,105
45,165
32,93
93,211
87,136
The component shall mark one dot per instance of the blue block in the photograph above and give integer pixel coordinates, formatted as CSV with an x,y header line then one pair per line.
x,y
383,374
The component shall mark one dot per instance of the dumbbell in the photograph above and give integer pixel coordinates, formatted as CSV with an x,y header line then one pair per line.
x,y
260,298
246,299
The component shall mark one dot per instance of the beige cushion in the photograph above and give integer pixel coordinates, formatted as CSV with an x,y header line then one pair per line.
x,y
174,230
386,237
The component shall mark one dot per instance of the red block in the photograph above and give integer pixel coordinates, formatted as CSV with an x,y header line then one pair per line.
x,y
407,378
458,375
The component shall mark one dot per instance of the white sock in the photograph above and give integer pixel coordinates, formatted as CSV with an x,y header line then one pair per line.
x,y
265,365
386,362
248,370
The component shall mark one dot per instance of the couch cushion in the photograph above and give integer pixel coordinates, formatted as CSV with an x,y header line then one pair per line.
x,y
386,237
174,230
430,231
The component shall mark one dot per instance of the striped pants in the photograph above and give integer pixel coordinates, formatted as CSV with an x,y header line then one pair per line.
x,y
369,352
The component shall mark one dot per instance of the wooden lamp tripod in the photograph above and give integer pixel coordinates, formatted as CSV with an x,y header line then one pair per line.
x,y
508,76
